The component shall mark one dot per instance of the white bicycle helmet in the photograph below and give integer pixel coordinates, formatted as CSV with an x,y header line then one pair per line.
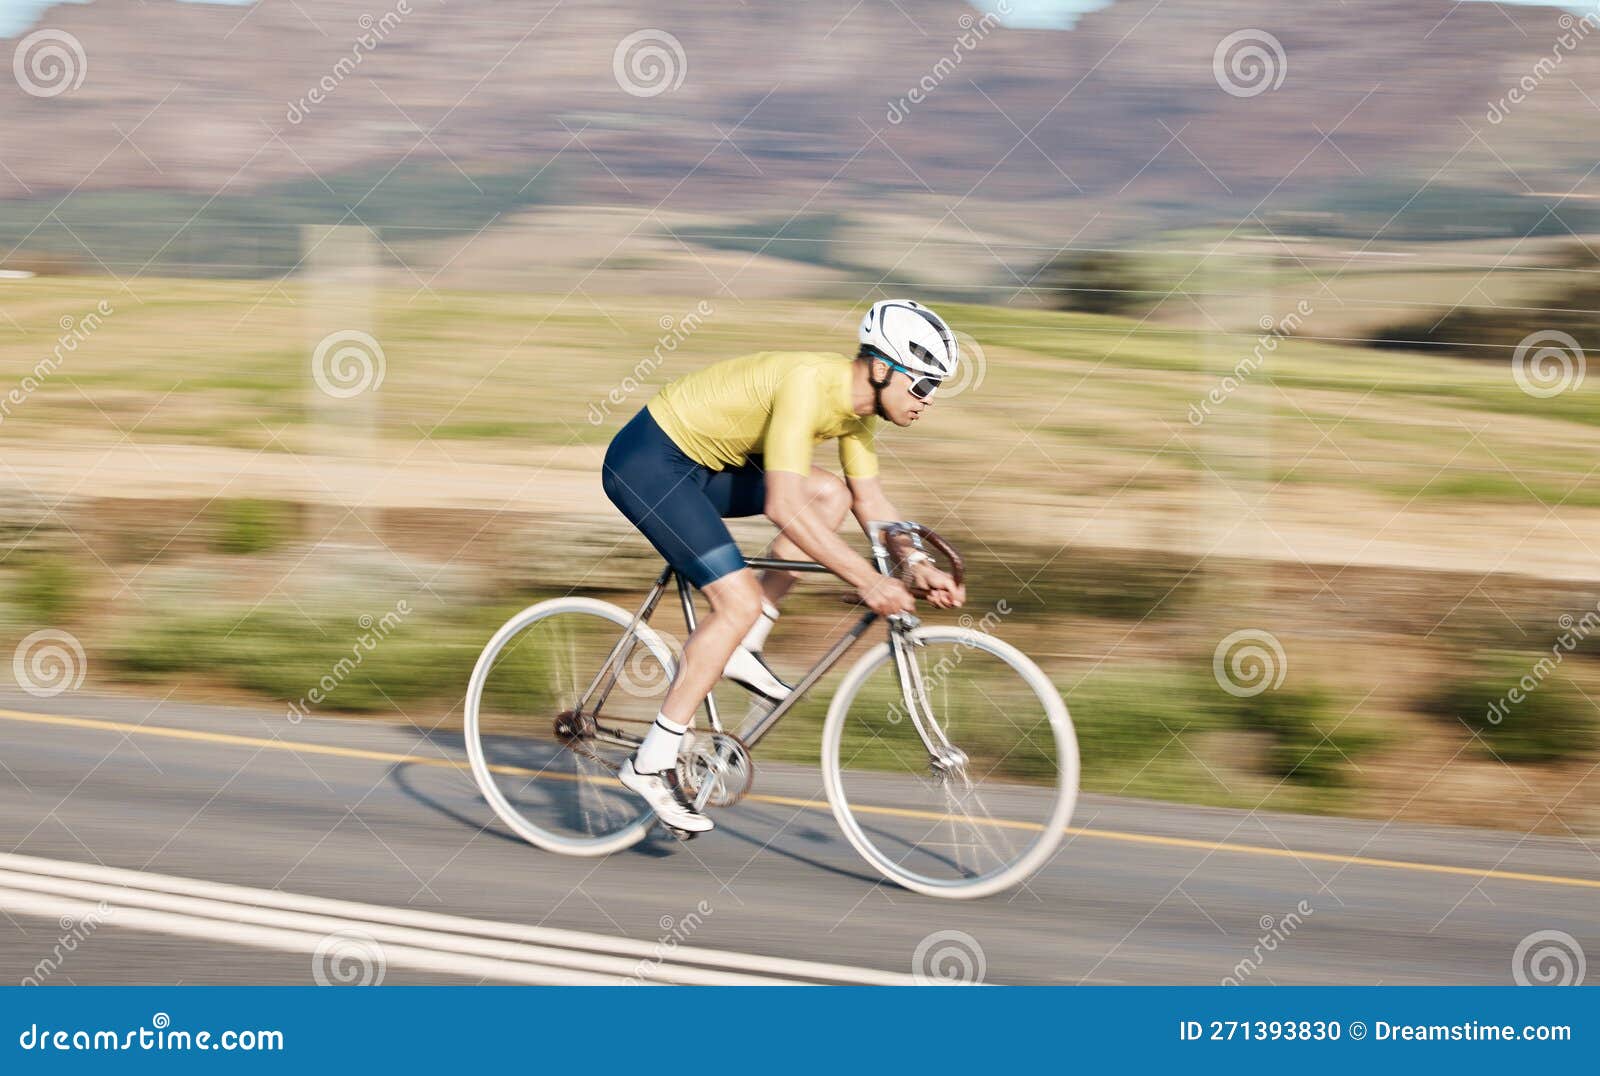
x,y
910,335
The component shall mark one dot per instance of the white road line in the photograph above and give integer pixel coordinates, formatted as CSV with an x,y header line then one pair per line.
x,y
428,941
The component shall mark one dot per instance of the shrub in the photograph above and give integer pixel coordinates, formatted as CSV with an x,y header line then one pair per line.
x,y
1494,334
47,588
1311,742
1098,282
1552,720
246,526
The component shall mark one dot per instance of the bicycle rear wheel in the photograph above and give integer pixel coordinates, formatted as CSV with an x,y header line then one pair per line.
x,y
989,812
549,771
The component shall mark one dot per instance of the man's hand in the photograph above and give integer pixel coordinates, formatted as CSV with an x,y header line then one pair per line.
x,y
941,590
887,596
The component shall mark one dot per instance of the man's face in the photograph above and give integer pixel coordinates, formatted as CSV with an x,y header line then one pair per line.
x,y
899,404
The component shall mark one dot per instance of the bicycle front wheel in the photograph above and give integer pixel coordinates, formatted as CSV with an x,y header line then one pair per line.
x,y
987,809
542,756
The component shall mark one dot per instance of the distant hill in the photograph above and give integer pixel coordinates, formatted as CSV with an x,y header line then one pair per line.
x,y
1126,122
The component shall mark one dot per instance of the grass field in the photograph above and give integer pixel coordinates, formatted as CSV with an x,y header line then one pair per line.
x,y
1127,537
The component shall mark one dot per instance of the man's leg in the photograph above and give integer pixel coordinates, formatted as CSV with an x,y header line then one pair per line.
x,y
735,606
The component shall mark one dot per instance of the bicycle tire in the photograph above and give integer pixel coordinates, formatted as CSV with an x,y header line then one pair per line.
x,y
1065,788
484,775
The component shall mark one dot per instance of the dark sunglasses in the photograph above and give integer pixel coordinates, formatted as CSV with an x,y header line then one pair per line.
x,y
921,387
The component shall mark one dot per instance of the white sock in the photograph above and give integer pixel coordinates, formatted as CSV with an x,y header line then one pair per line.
x,y
756,638
660,748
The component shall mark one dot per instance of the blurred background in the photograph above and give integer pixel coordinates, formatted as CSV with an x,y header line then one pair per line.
x,y
1275,445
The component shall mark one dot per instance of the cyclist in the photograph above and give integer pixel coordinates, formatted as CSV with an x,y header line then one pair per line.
x,y
735,439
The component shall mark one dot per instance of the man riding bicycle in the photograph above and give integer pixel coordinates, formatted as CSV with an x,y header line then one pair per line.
x,y
736,439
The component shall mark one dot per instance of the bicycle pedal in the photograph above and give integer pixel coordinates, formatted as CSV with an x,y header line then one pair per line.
x,y
681,834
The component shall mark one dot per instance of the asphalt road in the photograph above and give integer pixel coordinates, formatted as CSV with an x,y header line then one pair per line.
x,y
382,815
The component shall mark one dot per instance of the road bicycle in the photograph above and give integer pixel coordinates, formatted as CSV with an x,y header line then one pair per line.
x,y
948,757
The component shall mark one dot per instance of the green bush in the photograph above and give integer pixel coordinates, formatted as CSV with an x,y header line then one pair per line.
x,y
1312,742
1494,334
1098,282
1552,721
1138,729
47,588
284,654
246,525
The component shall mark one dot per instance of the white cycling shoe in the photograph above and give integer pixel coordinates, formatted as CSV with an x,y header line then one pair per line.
x,y
666,798
749,671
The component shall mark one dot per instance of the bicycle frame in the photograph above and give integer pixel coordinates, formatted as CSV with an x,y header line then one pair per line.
x,y
909,673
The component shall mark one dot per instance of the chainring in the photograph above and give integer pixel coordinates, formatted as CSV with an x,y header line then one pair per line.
x,y
722,760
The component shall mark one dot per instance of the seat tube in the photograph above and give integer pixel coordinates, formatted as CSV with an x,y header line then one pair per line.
x,y
686,596
606,678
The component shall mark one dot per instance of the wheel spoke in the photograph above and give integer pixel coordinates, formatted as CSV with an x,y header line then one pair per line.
x,y
991,804
521,717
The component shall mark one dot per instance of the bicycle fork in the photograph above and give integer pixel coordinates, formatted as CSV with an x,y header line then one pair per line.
x,y
945,759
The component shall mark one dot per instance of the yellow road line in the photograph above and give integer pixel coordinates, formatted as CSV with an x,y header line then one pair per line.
x,y
305,748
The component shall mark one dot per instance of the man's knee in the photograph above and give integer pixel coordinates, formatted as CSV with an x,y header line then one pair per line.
x,y
737,597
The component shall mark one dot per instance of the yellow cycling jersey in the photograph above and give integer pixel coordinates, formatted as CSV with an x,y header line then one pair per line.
x,y
777,403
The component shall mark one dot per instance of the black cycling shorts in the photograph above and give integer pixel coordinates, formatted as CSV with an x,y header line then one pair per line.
x,y
679,503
